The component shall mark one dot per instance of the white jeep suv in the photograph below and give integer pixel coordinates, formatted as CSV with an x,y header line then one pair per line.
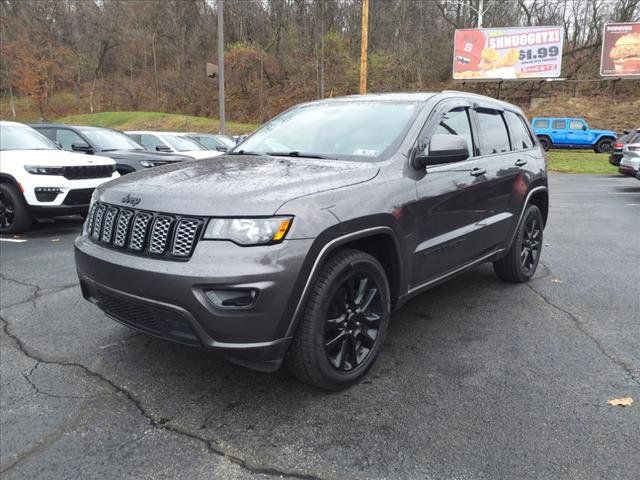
x,y
37,179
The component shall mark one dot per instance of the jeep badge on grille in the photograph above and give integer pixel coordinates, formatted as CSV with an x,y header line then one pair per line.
x,y
131,200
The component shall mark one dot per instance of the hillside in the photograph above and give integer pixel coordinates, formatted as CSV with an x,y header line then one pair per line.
x,y
155,121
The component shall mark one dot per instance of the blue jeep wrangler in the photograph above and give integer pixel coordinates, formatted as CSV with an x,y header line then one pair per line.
x,y
565,132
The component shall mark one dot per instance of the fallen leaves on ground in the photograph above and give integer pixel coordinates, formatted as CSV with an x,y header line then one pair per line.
x,y
621,402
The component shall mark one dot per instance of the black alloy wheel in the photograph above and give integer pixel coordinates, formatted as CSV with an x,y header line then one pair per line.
x,y
343,325
7,212
521,260
531,244
353,321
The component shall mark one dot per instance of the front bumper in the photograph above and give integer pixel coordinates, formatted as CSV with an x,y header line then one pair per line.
x,y
167,298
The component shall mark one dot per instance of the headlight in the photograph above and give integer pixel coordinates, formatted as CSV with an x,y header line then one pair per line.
x,y
36,170
152,163
248,231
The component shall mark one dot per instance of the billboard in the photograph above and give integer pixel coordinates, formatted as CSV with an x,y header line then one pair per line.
x,y
620,50
507,53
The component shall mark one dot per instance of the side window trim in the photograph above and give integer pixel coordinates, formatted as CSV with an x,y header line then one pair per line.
x,y
438,111
500,112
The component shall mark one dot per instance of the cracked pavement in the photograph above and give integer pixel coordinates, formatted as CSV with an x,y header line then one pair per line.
x,y
478,379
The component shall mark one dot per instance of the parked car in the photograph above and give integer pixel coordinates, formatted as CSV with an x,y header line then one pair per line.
x,y
616,152
171,142
38,179
296,246
129,155
220,143
630,162
566,132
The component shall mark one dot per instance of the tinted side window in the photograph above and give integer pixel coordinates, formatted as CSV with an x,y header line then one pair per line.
x,y
47,132
456,122
134,136
576,124
149,141
560,124
67,137
542,124
520,137
493,132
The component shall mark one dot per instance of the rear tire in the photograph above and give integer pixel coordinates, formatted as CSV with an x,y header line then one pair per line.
x,y
545,142
344,322
604,145
14,214
521,261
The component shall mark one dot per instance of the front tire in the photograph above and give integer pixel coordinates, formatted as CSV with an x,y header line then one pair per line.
x,y
14,214
604,145
521,261
344,322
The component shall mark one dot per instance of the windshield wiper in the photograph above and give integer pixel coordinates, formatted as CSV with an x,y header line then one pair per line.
x,y
299,155
247,152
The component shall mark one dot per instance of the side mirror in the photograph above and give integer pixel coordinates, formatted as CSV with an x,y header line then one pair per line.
x,y
584,127
81,147
221,148
442,149
163,148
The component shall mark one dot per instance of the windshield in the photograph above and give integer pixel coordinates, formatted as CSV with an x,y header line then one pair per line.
x,y
355,130
182,144
106,140
212,142
17,137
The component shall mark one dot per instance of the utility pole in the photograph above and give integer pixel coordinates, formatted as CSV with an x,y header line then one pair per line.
x,y
363,51
480,12
221,63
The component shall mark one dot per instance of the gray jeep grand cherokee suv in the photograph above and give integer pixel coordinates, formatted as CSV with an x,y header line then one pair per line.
x,y
296,246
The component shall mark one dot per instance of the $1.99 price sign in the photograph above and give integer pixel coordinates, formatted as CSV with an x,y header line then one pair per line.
x,y
507,53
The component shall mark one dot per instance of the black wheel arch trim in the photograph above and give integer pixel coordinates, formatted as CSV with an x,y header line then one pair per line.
x,y
6,178
527,202
324,246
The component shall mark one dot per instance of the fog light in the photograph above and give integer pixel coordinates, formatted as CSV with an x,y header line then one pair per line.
x,y
232,298
47,194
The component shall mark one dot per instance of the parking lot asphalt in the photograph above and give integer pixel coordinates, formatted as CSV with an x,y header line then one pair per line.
x,y
477,379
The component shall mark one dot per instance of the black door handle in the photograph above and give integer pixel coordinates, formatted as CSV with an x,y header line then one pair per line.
x,y
520,162
476,172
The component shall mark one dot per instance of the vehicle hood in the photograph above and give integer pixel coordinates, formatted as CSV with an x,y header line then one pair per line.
x,y
609,133
233,184
144,155
55,158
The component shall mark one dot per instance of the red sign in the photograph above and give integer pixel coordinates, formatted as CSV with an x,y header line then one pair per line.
x,y
507,53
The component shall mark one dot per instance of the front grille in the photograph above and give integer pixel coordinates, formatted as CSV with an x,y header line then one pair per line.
x,y
88,171
144,233
81,196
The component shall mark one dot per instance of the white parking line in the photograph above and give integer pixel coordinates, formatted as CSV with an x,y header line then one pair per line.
x,y
14,240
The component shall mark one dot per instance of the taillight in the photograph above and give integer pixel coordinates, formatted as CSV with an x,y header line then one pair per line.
x,y
618,146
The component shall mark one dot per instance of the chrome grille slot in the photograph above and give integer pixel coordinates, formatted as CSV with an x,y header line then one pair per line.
x,y
90,218
109,222
97,222
185,236
122,228
159,234
139,231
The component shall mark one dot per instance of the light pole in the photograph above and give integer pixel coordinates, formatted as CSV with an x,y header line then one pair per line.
x,y
480,10
221,64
